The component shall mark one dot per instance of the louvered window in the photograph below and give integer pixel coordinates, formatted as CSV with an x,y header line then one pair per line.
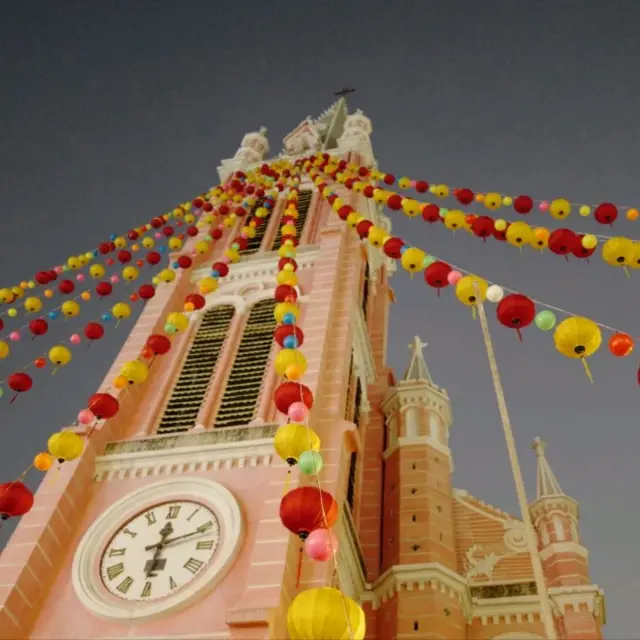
x,y
242,392
191,386
356,403
253,245
365,291
304,202
351,482
348,407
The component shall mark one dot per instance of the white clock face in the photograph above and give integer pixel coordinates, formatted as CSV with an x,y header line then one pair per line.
x,y
160,550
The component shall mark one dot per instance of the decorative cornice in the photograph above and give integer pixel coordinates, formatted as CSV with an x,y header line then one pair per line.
x,y
557,548
408,441
227,448
406,394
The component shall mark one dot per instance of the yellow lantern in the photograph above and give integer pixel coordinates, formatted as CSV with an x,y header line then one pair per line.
x,y
540,239
283,308
233,255
178,320
70,308
411,207
65,446
519,233
33,304
471,289
454,220
560,208
325,613
175,244
6,295
121,310
413,259
618,252
634,262
290,361
578,338
4,350
120,242
207,285
96,271
289,230
201,247
440,190
18,292
135,372
376,236
167,275
73,263
130,273
293,439
287,277
60,355
148,242
493,201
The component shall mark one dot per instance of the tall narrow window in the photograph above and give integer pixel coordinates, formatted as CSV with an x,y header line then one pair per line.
x,y
365,291
357,400
253,244
242,392
304,202
351,482
348,406
190,388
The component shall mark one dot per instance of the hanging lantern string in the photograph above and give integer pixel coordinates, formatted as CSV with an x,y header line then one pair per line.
x,y
413,183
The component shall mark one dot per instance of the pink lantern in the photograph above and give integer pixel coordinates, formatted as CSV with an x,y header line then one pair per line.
x,y
14,336
80,277
75,339
298,412
454,277
115,279
543,206
86,416
321,544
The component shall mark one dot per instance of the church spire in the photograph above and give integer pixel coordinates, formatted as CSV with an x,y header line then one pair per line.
x,y
417,366
547,483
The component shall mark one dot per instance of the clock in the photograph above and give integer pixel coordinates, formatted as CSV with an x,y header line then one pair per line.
x,y
157,549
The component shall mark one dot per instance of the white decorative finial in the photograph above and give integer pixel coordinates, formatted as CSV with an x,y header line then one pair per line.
x,y
263,131
547,484
417,366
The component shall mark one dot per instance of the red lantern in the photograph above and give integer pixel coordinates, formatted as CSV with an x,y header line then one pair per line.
x,y
103,405
431,213
393,248
192,231
621,345
158,344
500,235
561,241
124,256
133,235
103,289
422,186
289,392
153,258
465,196
146,291
283,261
20,383
516,312
523,204
168,232
344,211
184,262
52,275
105,247
43,277
578,249
394,202
16,499
196,300
221,268
216,234
363,228
306,509
606,213
285,330
38,327
157,222
66,287
483,227
285,291
93,331
435,275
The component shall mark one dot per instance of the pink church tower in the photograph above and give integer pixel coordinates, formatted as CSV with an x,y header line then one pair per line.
x,y
167,527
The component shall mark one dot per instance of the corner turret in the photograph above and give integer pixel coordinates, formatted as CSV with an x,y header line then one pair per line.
x,y
252,150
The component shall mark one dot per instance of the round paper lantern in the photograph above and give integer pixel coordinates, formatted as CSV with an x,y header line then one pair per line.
x,y
93,331
560,208
310,462
436,275
42,461
606,213
579,250
321,545
518,234
305,509
578,338
495,293
431,213
523,204
545,320
16,499
65,446
158,344
471,289
38,327
561,241
292,439
621,345
134,372
618,252
289,392
483,227
286,334
516,312
464,196
103,405
20,383
325,614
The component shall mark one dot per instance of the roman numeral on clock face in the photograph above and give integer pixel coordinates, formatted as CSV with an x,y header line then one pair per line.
x,y
205,527
116,552
205,544
146,592
193,565
172,583
173,512
151,517
125,585
115,570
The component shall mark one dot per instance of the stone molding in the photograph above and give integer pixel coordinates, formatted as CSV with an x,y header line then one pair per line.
x,y
230,448
408,441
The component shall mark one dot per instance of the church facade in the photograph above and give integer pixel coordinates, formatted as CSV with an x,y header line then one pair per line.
x,y
189,462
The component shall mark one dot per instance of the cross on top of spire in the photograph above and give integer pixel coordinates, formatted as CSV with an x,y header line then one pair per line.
x,y
547,483
417,366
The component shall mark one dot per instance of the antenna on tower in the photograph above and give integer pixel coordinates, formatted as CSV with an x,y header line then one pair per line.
x,y
343,92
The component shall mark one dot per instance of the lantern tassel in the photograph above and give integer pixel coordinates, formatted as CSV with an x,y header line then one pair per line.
x,y
53,373
88,345
587,370
299,570
519,334
626,272
287,481
438,290
473,311
13,399
566,257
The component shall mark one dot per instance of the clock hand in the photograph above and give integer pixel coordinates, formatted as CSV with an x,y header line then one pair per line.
x,y
167,530
164,543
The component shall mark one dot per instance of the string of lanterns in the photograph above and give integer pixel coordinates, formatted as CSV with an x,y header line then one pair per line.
x,y
619,251
575,337
604,213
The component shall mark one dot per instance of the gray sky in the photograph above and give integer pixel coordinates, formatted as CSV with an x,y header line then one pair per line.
x,y
112,113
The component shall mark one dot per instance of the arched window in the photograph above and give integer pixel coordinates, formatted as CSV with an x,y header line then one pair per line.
x,y
304,202
242,391
558,528
191,386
